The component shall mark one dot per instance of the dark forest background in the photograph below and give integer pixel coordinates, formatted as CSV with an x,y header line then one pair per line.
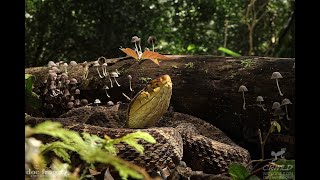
x,y
84,30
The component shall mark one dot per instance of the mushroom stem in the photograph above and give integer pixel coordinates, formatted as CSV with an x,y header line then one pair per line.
x,y
99,72
135,44
244,101
111,85
107,94
65,70
285,127
130,85
104,71
152,46
287,114
140,46
279,88
126,96
116,82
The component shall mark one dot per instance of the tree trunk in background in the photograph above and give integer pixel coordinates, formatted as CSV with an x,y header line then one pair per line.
x,y
208,90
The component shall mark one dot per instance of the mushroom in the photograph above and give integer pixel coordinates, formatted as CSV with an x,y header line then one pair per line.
x,y
105,88
70,105
276,105
97,102
104,69
284,103
276,76
86,70
72,98
66,93
77,102
84,102
65,66
111,85
51,64
115,75
117,72
127,97
243,89
279,112
260,99
72,63
110,103
152,40
52,76
77,91
55,69
73,81
135,40
130,78
96,65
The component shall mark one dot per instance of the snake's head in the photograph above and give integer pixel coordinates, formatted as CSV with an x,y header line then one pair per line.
x,y
148,106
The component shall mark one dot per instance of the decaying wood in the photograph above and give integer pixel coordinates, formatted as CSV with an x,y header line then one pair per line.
x,y
207,88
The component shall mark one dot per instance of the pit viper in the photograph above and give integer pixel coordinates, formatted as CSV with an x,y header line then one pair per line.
x,y
180,137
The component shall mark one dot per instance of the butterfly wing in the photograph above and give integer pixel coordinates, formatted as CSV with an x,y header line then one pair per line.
x,y
130,52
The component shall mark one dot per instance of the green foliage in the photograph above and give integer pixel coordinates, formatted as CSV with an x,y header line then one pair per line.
x,y
275,124
78,30
239,172
189,65
248,63
228,51
31,98
91,148
145,79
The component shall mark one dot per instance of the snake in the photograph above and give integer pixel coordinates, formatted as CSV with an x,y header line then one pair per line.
x,y
180,138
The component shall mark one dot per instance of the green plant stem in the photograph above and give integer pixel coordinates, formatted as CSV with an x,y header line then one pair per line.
x,y
263,142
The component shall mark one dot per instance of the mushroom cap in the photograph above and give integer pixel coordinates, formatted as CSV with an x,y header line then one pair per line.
x,y
66,92
77,91
64,76
51,71
276,105
52,87
152,39
260,99
278,112
73,81
129,76
52,75
51,64
105,87
110,103
77,102
114,74
84,102
285,101
97,101
242,88
96,64
70,105
276,75
67,81
105,64
55,69
72,98
72,63
100,59
65,64
135,39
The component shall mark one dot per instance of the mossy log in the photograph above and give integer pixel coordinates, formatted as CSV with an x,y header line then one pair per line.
x,y
203,86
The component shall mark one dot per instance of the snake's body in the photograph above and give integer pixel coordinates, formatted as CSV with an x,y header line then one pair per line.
x,y
179,136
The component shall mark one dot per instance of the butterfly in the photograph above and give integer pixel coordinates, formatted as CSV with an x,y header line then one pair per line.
x,y
138,55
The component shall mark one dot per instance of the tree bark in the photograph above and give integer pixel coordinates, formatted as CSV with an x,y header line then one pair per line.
x,y
208,89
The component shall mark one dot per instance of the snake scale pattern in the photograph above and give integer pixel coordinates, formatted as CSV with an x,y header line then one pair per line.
x,y
180,137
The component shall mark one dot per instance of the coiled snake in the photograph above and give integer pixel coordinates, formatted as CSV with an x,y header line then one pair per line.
x,y
202,146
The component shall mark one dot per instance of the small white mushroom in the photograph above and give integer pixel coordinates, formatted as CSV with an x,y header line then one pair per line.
x,y
276,76
104,65
96,65
65,66
110,103
111,85
127,97
97,102
51,64
130,78
260,99
106,88
152,40
117,72
243,89
55,69
115,75
284,103
276,105
73,63
86,70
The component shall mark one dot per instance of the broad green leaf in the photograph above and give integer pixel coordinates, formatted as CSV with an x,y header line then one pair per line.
x,y
228,51
29,80
32,100
278,127
191,47
238,172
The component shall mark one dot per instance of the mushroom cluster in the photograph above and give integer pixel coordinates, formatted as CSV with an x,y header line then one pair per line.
x,y
60,93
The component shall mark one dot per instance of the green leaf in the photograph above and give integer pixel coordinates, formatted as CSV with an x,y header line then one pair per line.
x,y
228,51
253,177
33,100
278,127
191,47
275,124
238,172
